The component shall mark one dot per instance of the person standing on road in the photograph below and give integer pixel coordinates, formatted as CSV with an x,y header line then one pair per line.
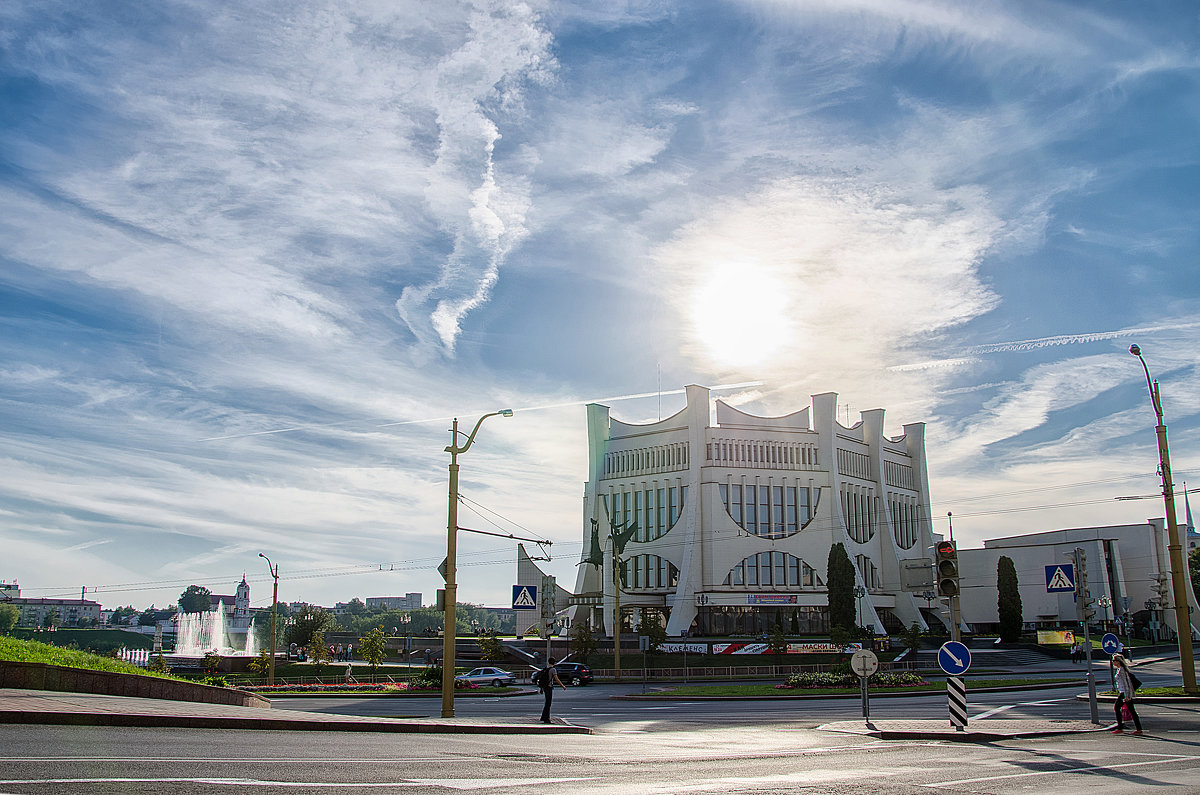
x,y
548,677
1126,686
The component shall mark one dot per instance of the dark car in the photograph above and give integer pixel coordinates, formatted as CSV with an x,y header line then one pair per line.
x,y
574,673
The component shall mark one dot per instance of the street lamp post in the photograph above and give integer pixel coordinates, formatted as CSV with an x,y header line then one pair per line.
x,y
448,633
1105,602
1183,623
405,618
274,601
859,593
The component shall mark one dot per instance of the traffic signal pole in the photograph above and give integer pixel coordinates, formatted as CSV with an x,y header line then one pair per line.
x,y
1081,608
946,570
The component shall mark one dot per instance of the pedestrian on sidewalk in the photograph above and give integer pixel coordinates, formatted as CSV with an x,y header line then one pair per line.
x,y
1127,685
546,679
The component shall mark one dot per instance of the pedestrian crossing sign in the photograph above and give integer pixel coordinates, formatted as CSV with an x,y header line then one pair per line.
x,y
1060,578
525,597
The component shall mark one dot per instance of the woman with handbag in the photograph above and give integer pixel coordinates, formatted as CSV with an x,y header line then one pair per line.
x,y
1127,684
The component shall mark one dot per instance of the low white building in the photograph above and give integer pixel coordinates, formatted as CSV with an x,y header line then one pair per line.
x,y
735,518
1127,564
410,601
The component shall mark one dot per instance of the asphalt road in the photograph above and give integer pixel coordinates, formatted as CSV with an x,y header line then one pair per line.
x,y
639,748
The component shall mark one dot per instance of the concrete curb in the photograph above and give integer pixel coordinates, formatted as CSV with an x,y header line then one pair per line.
x,y
431,694
940,730
400,726
1145,699
855,695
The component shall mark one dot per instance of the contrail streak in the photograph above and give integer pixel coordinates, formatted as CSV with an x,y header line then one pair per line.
x,y
635,396
1039,342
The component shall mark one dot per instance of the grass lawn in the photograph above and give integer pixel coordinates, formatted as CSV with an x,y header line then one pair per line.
x,y
14,650
1152,691
97,640
334,690
769,691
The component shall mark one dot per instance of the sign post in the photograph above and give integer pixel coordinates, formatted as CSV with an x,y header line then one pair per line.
x,y
864,663
954,658
1110,644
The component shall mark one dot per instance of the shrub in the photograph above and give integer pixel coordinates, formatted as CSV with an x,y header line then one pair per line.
x,y
810,681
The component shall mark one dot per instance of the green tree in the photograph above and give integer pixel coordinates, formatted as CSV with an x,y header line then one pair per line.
x,y
839,579
260,665
840,637
373,647
356,607
318,652
1194,565
583,639
1008,600
912,636
650,625
9,616
306,625
778,641
195,599
491,647
51,618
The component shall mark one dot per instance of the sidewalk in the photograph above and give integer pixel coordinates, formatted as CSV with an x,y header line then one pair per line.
x,y
980,731
86,709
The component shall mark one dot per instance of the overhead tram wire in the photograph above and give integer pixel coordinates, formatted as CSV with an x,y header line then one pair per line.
x,y
427,563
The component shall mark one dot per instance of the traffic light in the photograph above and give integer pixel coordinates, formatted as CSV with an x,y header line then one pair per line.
x,y
946,569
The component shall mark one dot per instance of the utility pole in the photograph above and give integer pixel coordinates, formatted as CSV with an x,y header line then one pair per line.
x,y
1084,612
1183,619
274,607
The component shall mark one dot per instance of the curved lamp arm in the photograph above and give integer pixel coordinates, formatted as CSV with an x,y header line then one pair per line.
x,y
273,569
1150,384
454,449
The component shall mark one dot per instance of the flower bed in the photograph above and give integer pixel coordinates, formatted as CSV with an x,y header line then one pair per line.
x,y
807,681
338,687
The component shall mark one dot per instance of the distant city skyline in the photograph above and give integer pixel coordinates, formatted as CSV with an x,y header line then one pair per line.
x,y
254,260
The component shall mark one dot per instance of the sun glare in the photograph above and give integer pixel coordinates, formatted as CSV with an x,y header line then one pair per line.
x,y
740,315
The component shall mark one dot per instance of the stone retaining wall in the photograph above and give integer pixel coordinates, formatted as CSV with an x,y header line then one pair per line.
x,y
40,676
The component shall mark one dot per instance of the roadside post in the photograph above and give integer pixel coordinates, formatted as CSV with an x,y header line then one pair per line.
x,y
1110,644
954,658
1085,612
864,663
683,633
644,643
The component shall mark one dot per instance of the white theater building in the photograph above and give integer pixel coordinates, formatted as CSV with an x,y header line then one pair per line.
x,y
735,518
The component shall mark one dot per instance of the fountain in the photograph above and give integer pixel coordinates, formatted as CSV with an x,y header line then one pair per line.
x,y
197,634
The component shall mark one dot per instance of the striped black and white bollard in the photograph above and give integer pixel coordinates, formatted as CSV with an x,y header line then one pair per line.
x,y
956,697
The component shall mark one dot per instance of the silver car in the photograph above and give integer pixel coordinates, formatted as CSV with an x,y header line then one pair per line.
x,y
496,677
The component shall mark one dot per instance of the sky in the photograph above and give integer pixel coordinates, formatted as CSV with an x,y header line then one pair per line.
x,y
255,257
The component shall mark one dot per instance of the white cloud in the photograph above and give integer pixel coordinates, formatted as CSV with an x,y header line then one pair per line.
x,y
863,272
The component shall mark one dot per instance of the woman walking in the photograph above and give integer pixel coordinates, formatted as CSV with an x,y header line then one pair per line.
x,y
1125,690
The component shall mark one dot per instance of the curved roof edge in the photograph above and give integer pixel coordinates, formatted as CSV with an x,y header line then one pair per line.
x,y
728,415
618,428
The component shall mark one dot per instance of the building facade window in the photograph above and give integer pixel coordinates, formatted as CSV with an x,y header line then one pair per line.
x,y
858,509
906,515
655,509
768,511
773,570
648,573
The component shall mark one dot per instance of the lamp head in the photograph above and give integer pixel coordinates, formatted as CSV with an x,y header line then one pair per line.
x,y
261,555
1135,350
505,412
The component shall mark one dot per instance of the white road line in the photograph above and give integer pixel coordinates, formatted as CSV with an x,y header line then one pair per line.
x,y
239,761
998,710
449,783
1084,769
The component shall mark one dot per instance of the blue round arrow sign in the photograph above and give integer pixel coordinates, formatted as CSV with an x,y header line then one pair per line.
x,y
1110,643
954,658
